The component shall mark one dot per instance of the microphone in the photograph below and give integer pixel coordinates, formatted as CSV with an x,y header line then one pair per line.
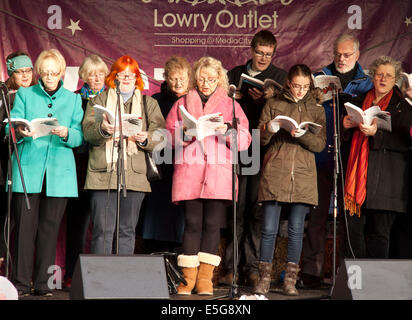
x,y
232,91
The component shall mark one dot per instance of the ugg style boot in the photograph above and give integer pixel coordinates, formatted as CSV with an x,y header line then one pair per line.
x,y
263,284
189,266
291,274
208,262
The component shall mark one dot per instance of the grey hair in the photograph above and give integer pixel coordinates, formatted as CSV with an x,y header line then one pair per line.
x,y
385,60
346,37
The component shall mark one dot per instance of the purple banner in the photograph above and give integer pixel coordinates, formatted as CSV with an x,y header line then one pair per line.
x,y
153,30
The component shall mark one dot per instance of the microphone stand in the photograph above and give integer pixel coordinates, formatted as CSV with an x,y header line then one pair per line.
x,y
11,139
336,149
233,291
121,178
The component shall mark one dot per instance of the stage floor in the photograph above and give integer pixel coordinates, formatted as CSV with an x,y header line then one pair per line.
x,y
220,293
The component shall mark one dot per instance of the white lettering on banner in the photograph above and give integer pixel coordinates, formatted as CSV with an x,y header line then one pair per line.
x,y
355,20
169,20
54,21
355,277
249,20
224,19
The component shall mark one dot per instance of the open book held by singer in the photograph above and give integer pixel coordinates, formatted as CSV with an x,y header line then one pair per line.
x,y
290,124
40,126
326,83
131,123
203,127
250,82
383,118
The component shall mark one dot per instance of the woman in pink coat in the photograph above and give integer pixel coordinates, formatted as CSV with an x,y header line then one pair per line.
x,y
202,179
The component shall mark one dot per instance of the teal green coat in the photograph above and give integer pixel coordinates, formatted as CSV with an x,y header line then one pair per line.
x,y
48,156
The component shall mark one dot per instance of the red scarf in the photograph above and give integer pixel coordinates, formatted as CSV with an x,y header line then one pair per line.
x,y
357,170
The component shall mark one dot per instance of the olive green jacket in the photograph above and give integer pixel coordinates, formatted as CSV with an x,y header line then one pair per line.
x,y
289,170
135,174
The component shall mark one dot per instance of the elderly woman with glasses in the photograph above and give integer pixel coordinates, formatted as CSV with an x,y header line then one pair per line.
x,y
103,138
202,180
92,72
168,235
376,185
48,169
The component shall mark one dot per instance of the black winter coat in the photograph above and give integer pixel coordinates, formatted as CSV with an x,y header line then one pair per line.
x,y
387,181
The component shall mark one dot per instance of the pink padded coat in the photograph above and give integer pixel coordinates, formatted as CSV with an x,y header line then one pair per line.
x,y
203,169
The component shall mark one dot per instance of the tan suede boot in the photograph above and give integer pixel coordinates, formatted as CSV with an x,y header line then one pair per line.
x,y
291,274
208,262
265,272
189,266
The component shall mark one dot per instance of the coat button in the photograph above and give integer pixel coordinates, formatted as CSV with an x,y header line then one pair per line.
x,y
53,98
50,115
50,105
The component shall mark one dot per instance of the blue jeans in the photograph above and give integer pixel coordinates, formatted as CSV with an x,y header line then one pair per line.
x,y
104,221
270,226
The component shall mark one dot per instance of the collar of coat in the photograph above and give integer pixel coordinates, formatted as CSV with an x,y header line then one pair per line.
x,y
57,93
193,102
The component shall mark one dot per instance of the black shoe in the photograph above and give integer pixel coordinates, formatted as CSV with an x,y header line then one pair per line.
x,y
24,292
308,281
43,293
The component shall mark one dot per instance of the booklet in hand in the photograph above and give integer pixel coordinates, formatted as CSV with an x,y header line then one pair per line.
x,y
202,127
289,124
383,118
131,123
40,126
248,82
326,84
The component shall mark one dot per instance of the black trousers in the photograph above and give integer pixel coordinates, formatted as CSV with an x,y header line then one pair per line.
x,y
248,226
370,233
36,231
77,224
313,253
202,225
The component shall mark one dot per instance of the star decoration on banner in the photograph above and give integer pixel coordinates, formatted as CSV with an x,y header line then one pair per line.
x,y
408,21
74,26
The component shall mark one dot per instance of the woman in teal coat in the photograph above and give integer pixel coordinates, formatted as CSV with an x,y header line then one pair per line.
x,y
49,172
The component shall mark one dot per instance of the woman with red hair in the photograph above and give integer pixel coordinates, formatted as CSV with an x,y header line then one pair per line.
x,y
101,170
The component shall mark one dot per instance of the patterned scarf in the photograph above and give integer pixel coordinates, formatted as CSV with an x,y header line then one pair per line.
x,y
87,93
357,170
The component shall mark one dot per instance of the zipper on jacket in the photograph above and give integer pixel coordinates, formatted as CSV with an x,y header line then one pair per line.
x,y
292,174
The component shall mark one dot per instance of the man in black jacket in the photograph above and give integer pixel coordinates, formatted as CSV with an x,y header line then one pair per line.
x,y
252,100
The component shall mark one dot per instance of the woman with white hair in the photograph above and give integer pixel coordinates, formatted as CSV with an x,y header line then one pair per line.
x,y
48,169
202,179
92,72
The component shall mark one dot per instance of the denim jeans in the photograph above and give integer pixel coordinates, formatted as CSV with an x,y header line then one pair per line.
x,y
103,215
270,226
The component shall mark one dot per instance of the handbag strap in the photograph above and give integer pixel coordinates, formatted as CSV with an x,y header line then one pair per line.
x,y
145,112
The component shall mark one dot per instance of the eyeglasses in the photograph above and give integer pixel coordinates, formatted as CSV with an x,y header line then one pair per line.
x,y
49,73
299,87
382,75
96,75
209,81
177,80
123,76
344,55
261,54
22,72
